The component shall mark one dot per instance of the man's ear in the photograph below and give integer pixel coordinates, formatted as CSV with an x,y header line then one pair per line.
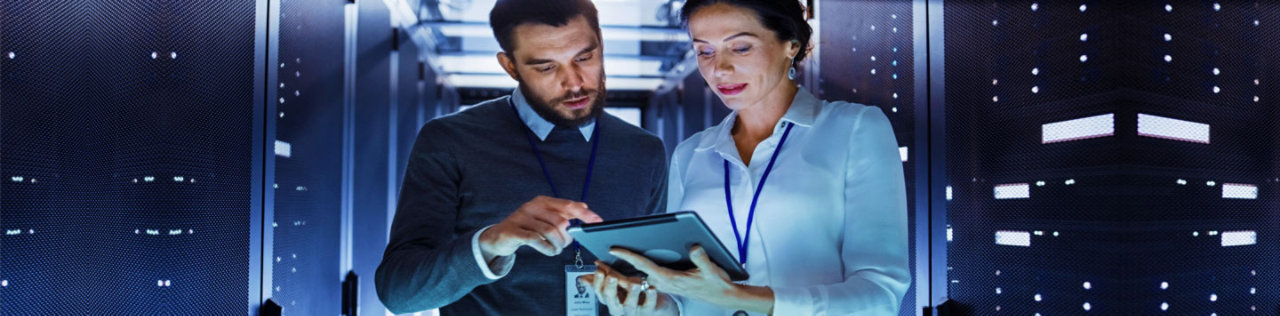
x,y
508,65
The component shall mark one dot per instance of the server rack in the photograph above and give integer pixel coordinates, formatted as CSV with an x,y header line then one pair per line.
x,y
308,120
1071,143
128,142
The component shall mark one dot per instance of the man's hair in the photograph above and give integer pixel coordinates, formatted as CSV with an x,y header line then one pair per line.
x,y
508,14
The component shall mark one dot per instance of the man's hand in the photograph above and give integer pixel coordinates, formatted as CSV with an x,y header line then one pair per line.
x,y
541,223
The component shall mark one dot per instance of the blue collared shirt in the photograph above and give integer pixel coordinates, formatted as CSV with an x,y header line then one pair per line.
x,y
540,126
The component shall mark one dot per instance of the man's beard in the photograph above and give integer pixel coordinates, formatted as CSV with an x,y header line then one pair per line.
x,y
547,111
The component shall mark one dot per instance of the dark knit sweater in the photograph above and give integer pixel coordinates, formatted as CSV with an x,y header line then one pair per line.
x,y
471,169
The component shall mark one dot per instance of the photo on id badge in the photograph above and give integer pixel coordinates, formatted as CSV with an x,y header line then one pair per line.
x,y
579,298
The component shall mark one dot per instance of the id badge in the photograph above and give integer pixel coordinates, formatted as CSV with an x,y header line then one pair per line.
x,y
579,300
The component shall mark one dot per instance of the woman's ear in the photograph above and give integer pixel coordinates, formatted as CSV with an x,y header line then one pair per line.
x,y
793,49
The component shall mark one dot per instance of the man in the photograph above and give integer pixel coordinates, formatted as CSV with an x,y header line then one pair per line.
x,y
489,192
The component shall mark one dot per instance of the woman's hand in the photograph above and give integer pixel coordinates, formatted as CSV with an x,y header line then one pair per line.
x,y
625,295
706,282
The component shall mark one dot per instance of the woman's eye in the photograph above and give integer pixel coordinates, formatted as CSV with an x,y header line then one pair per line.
x,y
742,49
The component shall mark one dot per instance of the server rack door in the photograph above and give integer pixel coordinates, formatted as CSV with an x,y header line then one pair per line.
x,y
372,148
127,152
308,117
408,106
1105,157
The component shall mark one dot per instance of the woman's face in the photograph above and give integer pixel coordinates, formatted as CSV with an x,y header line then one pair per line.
x,y
741,59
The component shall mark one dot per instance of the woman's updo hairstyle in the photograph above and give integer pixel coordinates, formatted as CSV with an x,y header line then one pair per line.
x,y
786,18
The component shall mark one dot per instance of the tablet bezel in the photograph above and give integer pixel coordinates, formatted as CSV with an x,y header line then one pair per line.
x,y
598,238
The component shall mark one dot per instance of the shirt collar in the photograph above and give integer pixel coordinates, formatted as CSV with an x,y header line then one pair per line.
x,y
540,126
804,111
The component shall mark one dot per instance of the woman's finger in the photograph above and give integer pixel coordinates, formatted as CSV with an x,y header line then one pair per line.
x,y
597,285
701,260
639,262
633,300
610,296
650,301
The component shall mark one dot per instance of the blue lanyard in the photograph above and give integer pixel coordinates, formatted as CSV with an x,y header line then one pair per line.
x,y
751,214
591,164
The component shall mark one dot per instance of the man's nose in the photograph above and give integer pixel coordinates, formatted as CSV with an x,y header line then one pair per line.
x,y
573,80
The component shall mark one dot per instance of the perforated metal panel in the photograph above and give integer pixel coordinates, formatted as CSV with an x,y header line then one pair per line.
x,y
127,138
308,179
1130,218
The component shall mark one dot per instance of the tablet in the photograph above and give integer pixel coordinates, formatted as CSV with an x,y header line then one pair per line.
x,y
665,239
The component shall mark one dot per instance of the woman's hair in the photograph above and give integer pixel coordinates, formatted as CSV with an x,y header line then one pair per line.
x,y
784,17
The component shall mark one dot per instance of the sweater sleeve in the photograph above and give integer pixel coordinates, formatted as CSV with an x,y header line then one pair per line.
x,y
425,266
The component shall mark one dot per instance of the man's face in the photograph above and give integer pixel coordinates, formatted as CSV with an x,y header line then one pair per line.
x,y
560,70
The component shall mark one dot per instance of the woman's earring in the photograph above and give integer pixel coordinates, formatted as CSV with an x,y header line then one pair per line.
x,y
791,73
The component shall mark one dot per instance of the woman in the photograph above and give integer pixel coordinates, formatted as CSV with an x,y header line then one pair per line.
x,y
811,191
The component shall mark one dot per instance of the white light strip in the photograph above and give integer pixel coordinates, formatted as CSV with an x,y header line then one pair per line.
x,y
1077,129
1013,191
401,12
629,115
505,82
488,64
1172,129
1239,238
1013,238
902,151
610,33
284,149
948,193
1239,191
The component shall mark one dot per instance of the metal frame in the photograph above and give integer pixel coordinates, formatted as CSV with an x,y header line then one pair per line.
x,y
920,159
268,157
352,12
393,126
259,153
937,153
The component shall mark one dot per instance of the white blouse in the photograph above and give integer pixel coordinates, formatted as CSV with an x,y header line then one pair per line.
x,y
830,230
